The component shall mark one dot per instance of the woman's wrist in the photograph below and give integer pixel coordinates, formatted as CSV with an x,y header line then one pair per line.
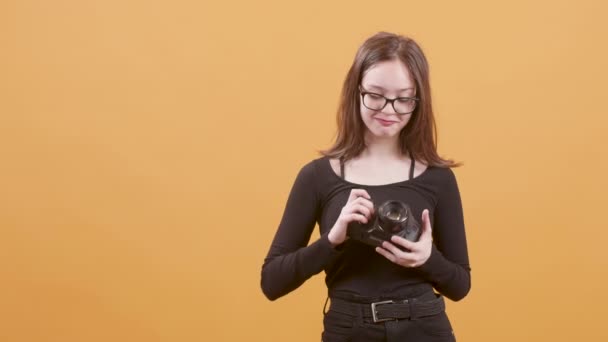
x,y
332,239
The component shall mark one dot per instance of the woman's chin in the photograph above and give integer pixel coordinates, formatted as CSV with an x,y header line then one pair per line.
x,y
382,133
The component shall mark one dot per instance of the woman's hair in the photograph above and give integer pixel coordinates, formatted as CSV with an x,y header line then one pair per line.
x,y
419,136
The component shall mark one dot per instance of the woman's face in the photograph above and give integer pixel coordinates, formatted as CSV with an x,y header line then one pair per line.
x,y
390,79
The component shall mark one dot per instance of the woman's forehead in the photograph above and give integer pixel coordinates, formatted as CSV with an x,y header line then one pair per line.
x,y
388,76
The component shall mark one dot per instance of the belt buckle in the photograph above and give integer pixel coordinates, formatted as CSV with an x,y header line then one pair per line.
x,y
374,313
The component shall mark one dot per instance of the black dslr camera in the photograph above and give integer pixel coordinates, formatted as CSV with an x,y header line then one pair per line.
x,y
390,218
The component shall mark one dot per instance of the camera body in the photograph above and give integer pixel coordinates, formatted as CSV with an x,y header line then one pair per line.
x,y
390,218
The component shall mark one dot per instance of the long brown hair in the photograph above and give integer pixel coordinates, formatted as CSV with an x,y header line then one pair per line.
x,y
419,136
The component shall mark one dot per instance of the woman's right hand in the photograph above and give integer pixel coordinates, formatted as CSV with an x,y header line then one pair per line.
x,y
359,207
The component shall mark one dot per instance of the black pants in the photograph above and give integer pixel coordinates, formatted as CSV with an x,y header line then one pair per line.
x,y
339,326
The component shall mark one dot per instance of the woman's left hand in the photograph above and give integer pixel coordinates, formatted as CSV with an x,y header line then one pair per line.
x,y
419,252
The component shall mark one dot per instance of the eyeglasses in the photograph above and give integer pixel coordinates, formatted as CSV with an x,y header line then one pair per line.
x,y
401,105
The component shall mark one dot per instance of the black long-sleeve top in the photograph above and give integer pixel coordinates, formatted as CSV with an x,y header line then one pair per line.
x,y
318,195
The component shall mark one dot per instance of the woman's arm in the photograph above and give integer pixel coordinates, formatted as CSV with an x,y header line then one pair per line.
x,y
290,262
448,266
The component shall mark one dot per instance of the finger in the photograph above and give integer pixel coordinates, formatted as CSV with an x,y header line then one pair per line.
x,y
359,208
364,210
365,202
427,230
356,217
354,193
386,254
396,251
407,244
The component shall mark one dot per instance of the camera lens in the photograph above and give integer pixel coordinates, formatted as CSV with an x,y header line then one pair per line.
x,y
392,216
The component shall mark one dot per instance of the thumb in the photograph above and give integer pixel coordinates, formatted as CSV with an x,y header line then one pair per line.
x,y
427,230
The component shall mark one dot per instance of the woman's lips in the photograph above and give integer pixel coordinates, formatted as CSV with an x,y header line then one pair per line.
x,y
386,122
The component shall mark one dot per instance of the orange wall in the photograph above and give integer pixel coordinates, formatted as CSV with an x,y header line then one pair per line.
x,y
147,149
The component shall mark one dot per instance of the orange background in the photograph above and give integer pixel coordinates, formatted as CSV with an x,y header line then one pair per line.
x,y
147,150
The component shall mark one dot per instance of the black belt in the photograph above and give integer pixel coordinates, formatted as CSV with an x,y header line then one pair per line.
x,y
388,310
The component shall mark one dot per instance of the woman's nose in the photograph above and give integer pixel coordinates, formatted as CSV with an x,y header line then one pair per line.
x,y
388,109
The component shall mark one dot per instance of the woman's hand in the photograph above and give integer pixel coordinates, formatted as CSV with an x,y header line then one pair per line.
x,y
419,252
359,207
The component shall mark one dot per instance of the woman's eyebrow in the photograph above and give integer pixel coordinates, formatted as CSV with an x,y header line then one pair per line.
x,y
382,88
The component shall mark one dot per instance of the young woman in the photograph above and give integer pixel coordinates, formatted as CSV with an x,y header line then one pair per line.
x,y
385,149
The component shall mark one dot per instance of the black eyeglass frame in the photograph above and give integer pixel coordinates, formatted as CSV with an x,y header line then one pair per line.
x,y
364,92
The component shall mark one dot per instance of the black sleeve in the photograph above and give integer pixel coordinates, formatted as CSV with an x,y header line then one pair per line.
x,y
448,266
290,261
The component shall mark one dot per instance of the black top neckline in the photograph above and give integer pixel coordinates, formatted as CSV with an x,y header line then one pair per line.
x,y
407,181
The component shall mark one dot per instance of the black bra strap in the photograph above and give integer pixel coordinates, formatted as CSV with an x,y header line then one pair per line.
x,y
412,165
342,168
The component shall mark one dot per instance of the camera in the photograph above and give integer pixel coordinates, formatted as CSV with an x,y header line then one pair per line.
x,y
390,218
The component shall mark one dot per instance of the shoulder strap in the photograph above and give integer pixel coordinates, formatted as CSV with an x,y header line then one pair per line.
x,y
412,165
342,168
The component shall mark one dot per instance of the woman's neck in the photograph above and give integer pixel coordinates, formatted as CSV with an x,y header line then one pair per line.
x,y
382,148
